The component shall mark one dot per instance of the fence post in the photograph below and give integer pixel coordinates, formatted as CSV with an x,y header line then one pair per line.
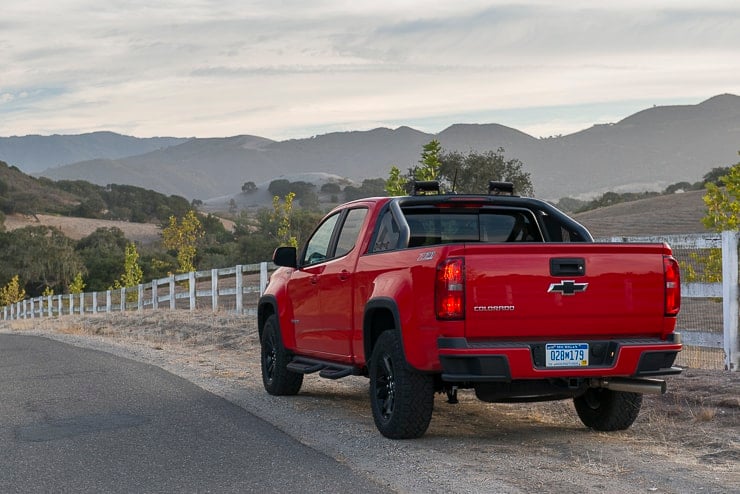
x,y
71,304
108,301
140,297
263,277
191,289
32,306
95,303
173,291
155,295
50,305
60,305
82,304
123,299
239,289
214,289
730,299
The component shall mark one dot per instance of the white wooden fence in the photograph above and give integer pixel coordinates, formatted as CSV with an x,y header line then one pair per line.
x,y
182,291
229,286
727,290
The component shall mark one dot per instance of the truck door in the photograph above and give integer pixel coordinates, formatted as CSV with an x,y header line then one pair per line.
x,y
336,287
303,287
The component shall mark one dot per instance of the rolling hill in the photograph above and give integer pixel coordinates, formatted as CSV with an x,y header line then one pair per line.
x,y
645,151
35,153
672,214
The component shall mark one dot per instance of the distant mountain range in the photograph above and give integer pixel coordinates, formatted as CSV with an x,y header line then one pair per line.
x,y
645,151
36,153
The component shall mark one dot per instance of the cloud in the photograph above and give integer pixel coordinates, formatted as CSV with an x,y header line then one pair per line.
x,y
270,68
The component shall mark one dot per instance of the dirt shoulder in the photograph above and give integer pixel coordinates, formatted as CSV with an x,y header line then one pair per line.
x,y
687,440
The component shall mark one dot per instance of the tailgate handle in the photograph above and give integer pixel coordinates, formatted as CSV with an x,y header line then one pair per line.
x,y
567,267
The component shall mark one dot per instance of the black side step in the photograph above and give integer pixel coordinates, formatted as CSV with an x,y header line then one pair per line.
x,y
304,367
336,372
329,370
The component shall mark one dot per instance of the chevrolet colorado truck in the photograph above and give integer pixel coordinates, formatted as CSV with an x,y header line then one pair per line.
x,y
505,295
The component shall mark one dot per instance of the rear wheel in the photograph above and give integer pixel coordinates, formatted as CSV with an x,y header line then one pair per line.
x,y
401,399
276,377
606,410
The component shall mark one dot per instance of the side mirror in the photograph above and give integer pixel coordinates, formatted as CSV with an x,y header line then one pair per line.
x,y
285,256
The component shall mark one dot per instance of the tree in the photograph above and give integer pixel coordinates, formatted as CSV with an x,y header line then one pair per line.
x,y
42,256
182,236
723,203
78,285
330,188
428,169
280,187
715,175
132,273
103,254
395,185
281,218
471,173
723,213
12,292
249,187
430,164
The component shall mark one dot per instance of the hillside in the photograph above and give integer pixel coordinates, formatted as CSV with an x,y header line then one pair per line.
x,y
35,153
77,228
662,215
23,194
645,151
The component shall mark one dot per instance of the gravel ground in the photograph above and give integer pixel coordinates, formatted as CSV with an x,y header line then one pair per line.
x,y
687,440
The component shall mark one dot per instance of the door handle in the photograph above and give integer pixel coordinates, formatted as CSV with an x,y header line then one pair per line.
x,y
568,267
344,275
314,279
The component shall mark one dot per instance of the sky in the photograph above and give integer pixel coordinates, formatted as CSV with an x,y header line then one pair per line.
x,y
286,69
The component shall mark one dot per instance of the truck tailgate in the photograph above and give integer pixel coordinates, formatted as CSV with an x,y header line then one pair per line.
x,y
528,291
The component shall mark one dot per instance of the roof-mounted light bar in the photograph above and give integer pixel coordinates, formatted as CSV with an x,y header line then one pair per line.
x,y
425,188
500,188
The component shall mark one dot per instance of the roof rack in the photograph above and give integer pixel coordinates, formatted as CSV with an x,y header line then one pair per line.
x,y
424,188
500,188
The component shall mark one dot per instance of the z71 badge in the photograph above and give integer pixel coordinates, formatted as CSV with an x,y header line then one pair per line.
x,y
426,256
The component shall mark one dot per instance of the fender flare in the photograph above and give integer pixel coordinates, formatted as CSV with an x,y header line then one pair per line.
x,y
370,332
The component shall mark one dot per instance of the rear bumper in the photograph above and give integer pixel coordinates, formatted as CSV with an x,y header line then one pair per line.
x,y
497,361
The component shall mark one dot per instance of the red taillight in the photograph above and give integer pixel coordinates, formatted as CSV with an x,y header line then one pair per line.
x,y
672,276
450,289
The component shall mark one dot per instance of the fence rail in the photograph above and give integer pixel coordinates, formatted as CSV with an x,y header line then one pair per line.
x,y
238,289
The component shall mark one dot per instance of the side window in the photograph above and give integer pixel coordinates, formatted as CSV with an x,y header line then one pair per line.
x,y
350,231
317,248
388,233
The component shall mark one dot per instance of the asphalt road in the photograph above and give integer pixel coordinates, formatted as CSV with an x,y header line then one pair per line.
x,y
78,420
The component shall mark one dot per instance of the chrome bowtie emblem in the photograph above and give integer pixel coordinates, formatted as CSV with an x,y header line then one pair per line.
x,y
567,287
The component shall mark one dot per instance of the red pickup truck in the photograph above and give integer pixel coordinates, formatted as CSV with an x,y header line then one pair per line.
x,y
501,294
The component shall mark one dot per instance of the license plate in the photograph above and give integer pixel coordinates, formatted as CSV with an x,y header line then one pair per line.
x,y
566,354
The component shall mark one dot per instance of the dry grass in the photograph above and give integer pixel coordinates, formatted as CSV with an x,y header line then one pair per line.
x,y
77,228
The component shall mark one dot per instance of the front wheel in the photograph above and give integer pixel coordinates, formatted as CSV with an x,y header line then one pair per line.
x,y
276,377
607,410
401,399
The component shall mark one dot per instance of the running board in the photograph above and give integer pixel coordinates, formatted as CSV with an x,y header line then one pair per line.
x,y
328,370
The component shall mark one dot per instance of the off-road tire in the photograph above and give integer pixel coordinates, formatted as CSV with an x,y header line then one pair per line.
x,y
402,399
276,377
607,410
